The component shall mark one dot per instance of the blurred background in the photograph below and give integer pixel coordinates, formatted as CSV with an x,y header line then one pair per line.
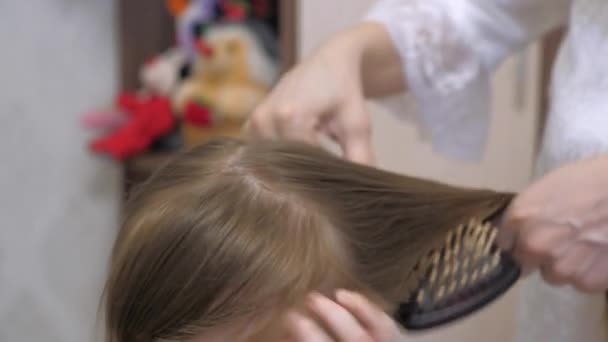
x,y
116,87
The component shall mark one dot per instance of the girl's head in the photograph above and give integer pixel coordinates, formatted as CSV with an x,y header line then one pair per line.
x,y
227,237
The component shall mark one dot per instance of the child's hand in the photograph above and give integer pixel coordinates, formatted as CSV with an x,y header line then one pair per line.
x,y
351,319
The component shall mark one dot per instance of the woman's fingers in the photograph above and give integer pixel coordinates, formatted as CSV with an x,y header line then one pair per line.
x,y
260,124
595,278
540,243
565,269
564,235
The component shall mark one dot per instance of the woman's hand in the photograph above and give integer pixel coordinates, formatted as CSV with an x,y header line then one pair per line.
x,y
351,319
560,226
325,94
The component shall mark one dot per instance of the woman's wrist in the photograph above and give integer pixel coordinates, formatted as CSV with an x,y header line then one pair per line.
x,y
348,46
369,49
380,62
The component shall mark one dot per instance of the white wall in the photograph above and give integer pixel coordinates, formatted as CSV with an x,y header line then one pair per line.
x,y
58,204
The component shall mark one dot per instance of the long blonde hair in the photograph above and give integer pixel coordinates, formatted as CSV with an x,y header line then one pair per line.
x,y
231,230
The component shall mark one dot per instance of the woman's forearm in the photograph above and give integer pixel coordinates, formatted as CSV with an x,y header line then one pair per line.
x,y
370,44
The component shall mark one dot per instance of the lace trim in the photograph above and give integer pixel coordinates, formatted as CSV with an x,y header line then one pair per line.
x,y
428,38
444,73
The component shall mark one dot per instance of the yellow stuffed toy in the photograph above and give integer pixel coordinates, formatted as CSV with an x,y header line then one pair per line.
x,y
231,76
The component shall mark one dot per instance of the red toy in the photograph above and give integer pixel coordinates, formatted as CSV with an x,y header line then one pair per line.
x,y
148,118
198,115
234,11
203,48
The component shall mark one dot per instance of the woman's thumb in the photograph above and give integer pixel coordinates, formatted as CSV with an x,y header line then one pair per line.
x,y
356,137
359,150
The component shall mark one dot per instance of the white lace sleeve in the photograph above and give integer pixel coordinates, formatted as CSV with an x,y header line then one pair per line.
x,y
450,48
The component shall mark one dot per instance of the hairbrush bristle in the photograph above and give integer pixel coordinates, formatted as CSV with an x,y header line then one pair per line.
x,y
466,271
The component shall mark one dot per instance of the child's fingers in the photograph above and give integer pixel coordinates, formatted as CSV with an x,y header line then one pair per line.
x,y
338,320
380,325
303,329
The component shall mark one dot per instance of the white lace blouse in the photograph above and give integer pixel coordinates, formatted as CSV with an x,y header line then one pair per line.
x,y
449,50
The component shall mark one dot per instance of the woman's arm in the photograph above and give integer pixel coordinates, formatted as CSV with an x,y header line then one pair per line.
x,y
488,30
449,51
381,65
443,51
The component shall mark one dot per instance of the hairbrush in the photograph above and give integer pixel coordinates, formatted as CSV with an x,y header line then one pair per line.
x,y
460,276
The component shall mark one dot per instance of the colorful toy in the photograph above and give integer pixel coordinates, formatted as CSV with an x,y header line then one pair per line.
x,y
162,74
149,118
224,63
227,82
192,14
189,14
139,119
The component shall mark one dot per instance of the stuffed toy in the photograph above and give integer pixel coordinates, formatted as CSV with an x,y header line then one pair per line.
x,y
161,74
223,65
190,14
231,75
149,118
138,120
